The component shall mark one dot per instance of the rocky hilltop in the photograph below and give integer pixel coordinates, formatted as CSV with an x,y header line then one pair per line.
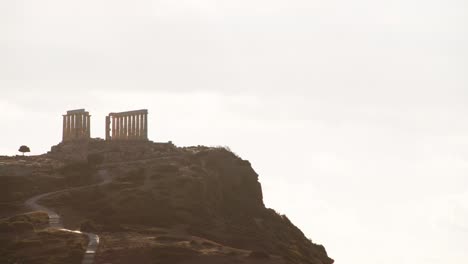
x,y
167,204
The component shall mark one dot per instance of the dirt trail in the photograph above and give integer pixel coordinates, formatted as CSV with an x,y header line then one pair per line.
x,y
55,221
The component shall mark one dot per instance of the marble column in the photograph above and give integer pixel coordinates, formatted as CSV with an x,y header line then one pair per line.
x,y
64,128
130,127
121,127
134,126
84,129
117,127
126,127
108,129
85,126
77,125
82,125
113,127
88,126
137,131
72,127
140,117
122,132
145,133
69,126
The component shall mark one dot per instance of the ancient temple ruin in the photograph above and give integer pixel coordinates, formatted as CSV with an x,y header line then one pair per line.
x,y
131,125
76,125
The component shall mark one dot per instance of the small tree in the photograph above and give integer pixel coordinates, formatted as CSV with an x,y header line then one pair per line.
x,y
24,149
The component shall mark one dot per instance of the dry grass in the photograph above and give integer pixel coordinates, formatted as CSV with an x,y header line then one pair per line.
x,y
26,241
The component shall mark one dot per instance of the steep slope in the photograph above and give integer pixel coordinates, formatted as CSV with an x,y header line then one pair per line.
x,y
194,195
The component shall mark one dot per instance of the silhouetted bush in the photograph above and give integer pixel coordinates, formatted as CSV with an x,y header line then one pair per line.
x,y
24,149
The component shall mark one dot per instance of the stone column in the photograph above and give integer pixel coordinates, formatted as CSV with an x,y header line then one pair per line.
x,y
140,117
81,131
64,128
130,127
122,131
69,126
117,127
108,127
133,127
112,127
77,125
126,127
88,126
137,131
72,127
85,126
145,133
120,122
121,127
82,128
129,120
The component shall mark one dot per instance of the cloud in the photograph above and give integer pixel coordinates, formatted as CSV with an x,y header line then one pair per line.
x,y
316,49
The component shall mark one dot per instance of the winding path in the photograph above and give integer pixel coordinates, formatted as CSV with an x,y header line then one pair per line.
x,y
55,221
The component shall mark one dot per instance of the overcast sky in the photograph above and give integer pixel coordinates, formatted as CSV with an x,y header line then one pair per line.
x,y
354,113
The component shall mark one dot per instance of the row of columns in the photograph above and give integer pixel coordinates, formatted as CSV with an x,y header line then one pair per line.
x,y
132,125
76,125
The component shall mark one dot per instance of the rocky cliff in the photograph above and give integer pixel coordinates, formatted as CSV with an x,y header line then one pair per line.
x,y
202,204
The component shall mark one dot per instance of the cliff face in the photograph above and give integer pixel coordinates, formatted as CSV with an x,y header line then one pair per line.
x,y
208,193
240,218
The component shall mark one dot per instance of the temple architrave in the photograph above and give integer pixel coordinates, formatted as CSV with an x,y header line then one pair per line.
x,y
76,125
131,125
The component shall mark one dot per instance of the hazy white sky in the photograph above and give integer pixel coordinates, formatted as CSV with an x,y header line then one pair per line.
x,y
354,113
